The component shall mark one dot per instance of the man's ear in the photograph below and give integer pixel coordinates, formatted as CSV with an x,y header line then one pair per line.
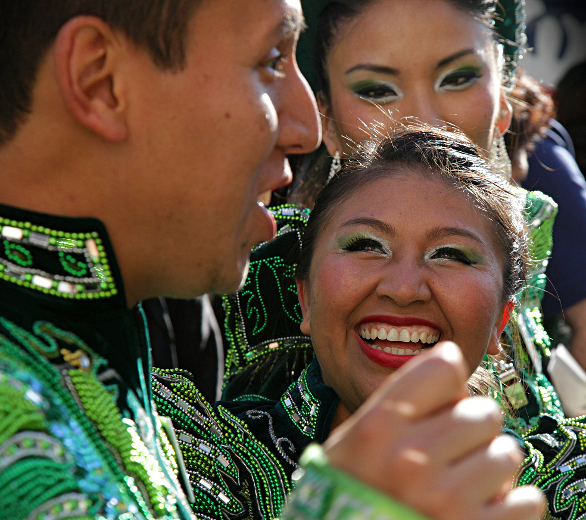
x,y
87,53
494,346
303,295
505,115
329,131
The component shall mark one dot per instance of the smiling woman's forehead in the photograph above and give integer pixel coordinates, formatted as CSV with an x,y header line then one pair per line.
x,y
454,210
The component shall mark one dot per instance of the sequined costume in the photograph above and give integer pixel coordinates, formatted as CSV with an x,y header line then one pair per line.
x,y
242,456
78,435
267,351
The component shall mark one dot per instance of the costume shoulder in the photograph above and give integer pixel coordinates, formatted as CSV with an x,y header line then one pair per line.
x,y
65,445
240,455
231,472
527,341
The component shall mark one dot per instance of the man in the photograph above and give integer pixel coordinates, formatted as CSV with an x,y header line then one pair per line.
x,y
167,120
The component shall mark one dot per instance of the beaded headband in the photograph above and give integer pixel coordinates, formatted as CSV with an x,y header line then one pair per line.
x,y
509,25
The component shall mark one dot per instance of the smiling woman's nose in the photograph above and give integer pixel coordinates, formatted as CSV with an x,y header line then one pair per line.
x,y
404,283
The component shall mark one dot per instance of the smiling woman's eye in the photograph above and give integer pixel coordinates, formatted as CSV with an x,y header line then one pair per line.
x,y
452,253
380,92
459,79
363,244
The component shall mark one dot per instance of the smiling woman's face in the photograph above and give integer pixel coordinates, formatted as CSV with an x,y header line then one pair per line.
x,y
406,258
421,58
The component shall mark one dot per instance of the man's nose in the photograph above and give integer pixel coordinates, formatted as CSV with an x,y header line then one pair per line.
x,y
299,126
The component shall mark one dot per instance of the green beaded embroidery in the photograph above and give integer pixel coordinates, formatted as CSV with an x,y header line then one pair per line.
x,y
93,407
556,463
72,265
215,444
305,418
535,344
33,253
18,254
251,313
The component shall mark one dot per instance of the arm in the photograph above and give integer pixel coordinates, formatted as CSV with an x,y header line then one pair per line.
x,y
429,447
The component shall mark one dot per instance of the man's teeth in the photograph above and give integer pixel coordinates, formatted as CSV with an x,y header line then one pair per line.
x,y
403,335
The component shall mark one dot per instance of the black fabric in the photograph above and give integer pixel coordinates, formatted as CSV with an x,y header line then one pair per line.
x,y
187,334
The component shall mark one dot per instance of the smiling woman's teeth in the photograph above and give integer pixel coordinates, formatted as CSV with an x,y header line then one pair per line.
x,y
395,350
402,335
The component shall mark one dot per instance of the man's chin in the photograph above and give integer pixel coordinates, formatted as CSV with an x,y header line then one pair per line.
x,y
244,274
235,282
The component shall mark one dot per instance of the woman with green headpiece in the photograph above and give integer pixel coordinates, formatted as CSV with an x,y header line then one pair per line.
x,y
374,63
424,85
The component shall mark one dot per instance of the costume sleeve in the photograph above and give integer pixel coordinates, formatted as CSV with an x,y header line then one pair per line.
x,y
232,474
553,170
38,474
556,463
66,451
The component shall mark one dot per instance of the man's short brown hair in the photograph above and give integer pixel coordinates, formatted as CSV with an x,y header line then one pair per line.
x,y
28,27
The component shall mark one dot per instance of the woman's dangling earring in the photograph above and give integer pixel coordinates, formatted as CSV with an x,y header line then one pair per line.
x,y
499,156
336,165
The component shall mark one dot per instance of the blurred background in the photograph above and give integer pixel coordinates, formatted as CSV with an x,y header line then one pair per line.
x,y
556,33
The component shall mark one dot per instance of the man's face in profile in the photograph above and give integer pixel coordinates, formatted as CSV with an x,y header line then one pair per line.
x,y
215,136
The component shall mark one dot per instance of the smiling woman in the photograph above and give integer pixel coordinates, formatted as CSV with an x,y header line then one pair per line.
x,y
436,253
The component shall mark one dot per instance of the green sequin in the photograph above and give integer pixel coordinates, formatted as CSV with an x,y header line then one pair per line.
x,y
214,444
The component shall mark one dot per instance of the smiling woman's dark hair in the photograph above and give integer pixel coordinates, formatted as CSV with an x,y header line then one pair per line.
x,y
439,156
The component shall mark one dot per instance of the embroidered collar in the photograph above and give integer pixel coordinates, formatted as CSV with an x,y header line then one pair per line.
x,y
57,256
310,404
63,271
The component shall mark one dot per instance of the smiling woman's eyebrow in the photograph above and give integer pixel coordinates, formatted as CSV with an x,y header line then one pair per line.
x,y
374,223
454,57
445,232
381,69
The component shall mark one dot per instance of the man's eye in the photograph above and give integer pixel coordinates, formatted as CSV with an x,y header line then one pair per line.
x,y
460,79
364,244
379,92
275,62
451,253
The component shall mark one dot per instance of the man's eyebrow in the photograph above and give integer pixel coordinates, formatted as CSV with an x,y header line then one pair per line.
x,y
374,223
292,25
